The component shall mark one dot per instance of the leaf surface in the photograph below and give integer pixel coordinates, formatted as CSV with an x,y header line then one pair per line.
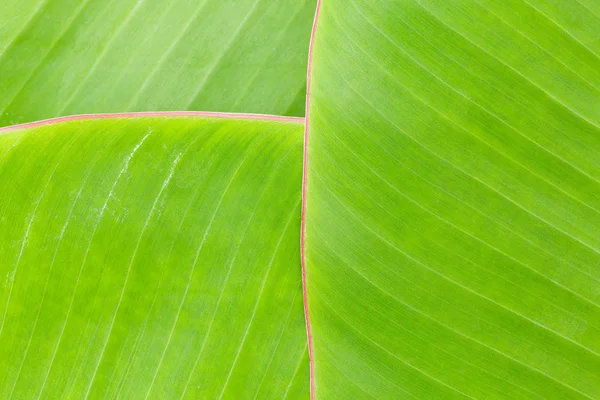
x,y
452,238
152,257
65,57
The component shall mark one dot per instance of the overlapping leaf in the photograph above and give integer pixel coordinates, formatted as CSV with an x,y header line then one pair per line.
x,y
151,258
453,200
64,57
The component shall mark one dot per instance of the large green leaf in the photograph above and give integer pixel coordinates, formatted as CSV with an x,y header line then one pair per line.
x,y
152,257
453,199
64,57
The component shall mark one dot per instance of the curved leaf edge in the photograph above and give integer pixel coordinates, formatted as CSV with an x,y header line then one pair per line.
x,y
202,114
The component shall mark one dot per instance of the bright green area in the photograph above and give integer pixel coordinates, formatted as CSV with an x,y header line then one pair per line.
x,y
64,57
152,258
453,226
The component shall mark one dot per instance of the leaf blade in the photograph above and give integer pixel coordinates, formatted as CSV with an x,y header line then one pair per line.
x,y
122,56
140,240
450,248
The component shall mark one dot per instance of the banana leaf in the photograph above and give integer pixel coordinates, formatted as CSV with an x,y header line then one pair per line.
x,y
65,57
151,256
452,231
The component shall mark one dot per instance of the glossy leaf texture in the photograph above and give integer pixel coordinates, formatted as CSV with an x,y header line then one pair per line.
x,y
453,199
152,257
65,57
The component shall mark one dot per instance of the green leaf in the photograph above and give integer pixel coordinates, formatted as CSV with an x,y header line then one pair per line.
x,y
453,199
152,257
65,57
